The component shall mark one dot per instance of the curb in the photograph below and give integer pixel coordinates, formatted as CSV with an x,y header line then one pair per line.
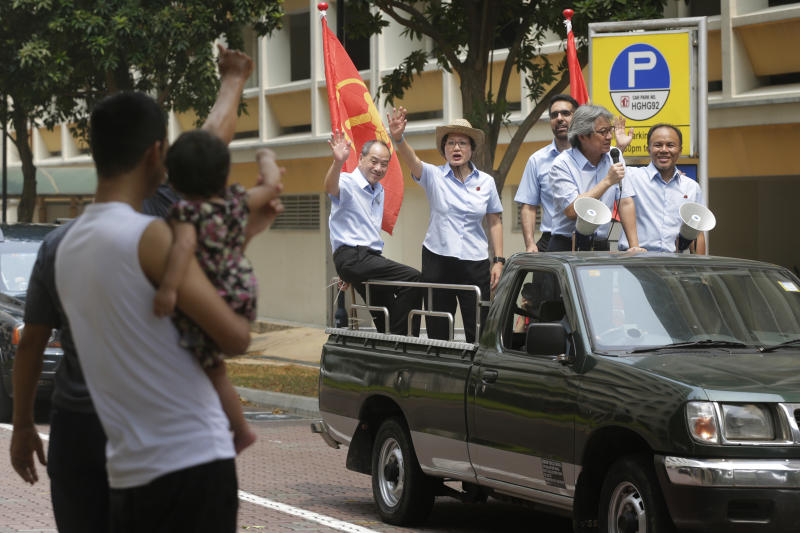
x,y
301,405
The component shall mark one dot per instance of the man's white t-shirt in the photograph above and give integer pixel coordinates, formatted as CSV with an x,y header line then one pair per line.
x,y
158,408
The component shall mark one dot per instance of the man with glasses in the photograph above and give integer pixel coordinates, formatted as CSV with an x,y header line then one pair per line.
x,y
587,170
534,189
355,228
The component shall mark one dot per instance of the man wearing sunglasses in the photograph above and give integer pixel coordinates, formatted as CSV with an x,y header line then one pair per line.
x,y
534,189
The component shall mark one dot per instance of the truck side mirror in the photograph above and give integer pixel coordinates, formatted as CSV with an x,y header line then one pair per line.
x,y
546,338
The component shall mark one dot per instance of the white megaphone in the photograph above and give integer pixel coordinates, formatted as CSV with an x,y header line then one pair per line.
x,y
694,219
591,215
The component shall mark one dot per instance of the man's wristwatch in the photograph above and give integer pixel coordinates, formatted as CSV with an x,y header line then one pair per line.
x,y
498,259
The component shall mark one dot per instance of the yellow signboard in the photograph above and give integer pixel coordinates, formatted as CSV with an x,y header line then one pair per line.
x,y
644,77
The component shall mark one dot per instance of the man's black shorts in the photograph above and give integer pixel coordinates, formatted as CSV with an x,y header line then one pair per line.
x,y
199,499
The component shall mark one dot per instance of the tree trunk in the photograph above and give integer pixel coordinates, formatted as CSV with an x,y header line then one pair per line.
x,y
27,203
473,107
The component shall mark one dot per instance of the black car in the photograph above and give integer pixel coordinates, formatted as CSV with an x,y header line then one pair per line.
x,y
19,244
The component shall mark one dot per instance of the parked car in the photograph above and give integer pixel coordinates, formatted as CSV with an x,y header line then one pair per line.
x,y
19,244
635,392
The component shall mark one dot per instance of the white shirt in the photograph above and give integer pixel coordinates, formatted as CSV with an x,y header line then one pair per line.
x,y
535,188
357,213
457,210
658,206
572,174
158,408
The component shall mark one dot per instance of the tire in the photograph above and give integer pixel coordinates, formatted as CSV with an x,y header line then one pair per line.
x,y
403,494
631,500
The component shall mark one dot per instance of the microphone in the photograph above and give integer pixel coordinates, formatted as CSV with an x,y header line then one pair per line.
x,y
614,152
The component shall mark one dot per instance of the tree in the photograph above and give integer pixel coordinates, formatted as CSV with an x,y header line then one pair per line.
x,y
58,57
33,67
463,35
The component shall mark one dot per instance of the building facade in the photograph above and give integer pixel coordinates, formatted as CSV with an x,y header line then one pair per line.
x,y
754,118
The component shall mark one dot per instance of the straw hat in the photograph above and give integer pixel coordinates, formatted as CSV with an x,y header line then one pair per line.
x,y
463,127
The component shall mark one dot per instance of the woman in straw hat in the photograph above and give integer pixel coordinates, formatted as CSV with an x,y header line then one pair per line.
x,y
455,249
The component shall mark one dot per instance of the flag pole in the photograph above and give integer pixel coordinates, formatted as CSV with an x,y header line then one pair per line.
x,y
354,113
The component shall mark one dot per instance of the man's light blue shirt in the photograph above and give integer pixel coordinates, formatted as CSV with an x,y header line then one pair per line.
x,y
457,211
535,189
571,175
357,213
658,204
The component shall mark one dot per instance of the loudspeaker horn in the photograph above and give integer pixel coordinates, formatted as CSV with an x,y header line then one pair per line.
x,y
591,214
695,218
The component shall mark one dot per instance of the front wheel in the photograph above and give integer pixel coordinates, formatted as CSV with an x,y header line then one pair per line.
x,y
631,500
403,493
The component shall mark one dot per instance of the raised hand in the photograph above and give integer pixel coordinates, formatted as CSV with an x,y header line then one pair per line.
x,y
340,146
268,171
623,141
397,122
233,63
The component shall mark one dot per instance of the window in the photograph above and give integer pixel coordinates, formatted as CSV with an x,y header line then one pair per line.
x,y
251,48
301,212
538,300
299,31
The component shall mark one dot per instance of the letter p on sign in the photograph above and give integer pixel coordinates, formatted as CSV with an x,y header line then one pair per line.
x,y
633,65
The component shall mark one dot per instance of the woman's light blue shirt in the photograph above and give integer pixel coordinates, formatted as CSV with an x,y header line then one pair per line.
x,y
457,211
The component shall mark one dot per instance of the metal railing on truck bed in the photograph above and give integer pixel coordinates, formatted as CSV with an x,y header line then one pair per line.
x,y
352,319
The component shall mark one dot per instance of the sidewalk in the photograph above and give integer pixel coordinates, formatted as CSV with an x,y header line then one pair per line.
x,y
274,342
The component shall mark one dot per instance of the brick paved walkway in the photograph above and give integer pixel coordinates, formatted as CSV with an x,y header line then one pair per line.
x,y
290,466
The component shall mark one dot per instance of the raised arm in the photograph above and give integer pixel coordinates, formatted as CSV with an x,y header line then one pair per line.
x,y
234,69
263,200
341,151
182,250
270,181
623,140
197,297
397,127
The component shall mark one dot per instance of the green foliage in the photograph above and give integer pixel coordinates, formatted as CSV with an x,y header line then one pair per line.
x,y
58,57
461,36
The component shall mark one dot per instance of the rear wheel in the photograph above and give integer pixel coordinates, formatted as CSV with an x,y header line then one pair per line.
x,y
403,493
631,500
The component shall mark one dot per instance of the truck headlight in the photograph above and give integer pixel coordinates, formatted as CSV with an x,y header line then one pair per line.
x,y
702,420
747,422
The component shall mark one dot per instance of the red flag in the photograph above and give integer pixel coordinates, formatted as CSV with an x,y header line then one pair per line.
x,y
577,86
354,113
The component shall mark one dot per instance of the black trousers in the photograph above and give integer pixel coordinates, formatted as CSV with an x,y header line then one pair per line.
x,y
443,269
357,264
563,243
543,242
200,499
76,465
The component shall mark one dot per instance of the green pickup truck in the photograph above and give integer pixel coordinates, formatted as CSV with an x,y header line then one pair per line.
x,y
634,392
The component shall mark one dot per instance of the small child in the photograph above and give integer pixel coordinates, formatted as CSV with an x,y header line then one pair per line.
x,y
211,221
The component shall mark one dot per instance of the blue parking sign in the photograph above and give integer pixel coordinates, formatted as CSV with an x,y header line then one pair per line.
x,y
639,81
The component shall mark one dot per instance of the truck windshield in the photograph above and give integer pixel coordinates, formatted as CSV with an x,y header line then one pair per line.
x,y
644,306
